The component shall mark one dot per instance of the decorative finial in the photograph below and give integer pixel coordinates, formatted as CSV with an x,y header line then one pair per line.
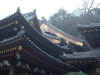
x,y
34,11
18,9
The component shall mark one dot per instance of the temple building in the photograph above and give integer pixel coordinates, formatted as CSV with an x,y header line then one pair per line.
x,y
69,38
25,50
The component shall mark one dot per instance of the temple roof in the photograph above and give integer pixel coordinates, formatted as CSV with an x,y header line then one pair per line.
x,y
64,35
91,34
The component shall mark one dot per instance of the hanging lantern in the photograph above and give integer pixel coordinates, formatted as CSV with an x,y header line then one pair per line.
x,y
20,48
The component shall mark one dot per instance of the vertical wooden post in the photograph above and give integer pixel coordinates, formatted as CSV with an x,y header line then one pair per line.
x,y
91,73
11,71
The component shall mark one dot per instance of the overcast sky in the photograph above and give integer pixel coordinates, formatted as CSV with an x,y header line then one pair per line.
x,y
44,7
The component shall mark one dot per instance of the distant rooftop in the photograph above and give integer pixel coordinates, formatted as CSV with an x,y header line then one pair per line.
x,y
90,25
30,15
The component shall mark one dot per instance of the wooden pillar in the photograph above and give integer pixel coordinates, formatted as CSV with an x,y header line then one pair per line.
x,y
11,71
91,73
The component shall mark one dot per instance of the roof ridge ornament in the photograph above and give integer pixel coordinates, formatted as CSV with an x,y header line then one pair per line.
x,y
18,9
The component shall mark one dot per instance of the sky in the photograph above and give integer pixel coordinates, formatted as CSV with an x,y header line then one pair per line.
x,y
44,8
